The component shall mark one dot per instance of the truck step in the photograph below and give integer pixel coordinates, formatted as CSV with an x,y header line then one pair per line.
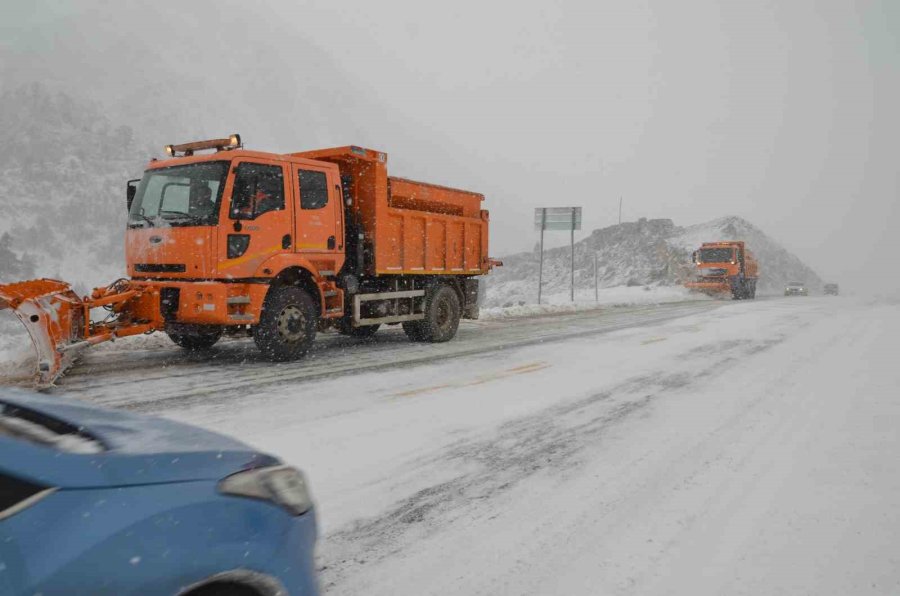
x,y
241,317
323,273
238,300
330,293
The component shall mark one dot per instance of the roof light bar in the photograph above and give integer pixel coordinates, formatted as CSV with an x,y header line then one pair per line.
x,y
187,149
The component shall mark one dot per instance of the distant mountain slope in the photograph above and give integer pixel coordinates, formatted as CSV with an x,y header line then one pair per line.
x,y
62,183
646,252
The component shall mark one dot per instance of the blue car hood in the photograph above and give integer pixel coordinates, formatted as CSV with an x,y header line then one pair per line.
x,y
138,450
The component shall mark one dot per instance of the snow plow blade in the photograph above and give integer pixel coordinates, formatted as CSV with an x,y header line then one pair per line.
x,y
53,315
710,288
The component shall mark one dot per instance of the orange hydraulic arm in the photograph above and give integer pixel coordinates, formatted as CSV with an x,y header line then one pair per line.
x,y
59,322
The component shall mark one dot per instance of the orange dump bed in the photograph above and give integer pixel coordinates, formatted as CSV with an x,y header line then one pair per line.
x,y
411,227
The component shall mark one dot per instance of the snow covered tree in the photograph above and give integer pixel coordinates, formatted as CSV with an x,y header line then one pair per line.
x,y
12,266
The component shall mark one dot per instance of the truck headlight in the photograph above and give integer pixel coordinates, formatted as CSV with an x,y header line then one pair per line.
x,y
281,485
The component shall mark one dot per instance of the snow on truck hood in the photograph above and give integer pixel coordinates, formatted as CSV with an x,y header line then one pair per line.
x,y
132,449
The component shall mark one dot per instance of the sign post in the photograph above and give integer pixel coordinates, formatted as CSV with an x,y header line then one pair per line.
x,y
557,218
541,266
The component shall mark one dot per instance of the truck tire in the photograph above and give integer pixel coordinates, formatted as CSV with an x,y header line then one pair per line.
x,y
287,325
413,330
194,338
442,314
363,332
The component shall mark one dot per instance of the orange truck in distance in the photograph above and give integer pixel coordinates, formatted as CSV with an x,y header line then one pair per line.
x,y
225,240
723,268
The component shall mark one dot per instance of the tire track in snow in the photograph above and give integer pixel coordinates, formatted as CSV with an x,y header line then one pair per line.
x,y
551,441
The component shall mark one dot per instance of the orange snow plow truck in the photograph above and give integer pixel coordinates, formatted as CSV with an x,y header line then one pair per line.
x,y
725,268
225,240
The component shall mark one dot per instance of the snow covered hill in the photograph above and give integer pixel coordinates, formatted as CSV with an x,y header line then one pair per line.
x,y
62,185
652,252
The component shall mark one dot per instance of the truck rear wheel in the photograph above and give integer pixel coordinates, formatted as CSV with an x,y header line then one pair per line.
x,y
287,325
194,337
442,314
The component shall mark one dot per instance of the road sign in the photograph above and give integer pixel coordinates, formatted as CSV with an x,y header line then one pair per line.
x,y
557,218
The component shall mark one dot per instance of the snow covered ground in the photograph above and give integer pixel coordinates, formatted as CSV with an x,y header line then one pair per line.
x,y
588,300
704,447
750,449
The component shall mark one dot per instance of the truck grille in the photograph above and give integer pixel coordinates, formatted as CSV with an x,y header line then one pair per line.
x,y
160,268
712,272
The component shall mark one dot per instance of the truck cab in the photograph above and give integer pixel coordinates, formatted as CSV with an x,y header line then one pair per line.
x,y
225,216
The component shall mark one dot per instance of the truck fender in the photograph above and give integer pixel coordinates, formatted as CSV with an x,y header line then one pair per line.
x,y
293,270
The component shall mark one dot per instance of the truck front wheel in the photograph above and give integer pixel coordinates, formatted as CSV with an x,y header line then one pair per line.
x,y
287,325
194,337
442,313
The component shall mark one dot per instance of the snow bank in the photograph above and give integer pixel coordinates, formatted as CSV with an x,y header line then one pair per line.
x,y
584,301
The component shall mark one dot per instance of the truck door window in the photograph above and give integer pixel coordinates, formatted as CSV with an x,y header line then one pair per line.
x,y
313,189
258,189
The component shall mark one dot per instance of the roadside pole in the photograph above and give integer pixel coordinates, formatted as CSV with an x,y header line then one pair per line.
x,y
596,281
541,266
572,291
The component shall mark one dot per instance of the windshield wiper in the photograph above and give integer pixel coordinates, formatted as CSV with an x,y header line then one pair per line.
x,y
180,215
143,217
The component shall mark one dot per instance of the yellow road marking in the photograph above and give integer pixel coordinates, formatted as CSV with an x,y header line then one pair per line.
x,y
421,390
518,370
653,341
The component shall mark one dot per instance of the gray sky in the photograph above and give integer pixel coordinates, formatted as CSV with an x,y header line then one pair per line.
x,y
781,112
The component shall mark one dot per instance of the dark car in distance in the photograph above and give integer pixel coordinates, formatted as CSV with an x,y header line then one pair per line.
x,y
796,288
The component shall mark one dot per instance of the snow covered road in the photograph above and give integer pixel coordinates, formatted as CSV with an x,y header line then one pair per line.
x,y
151,373
747,449
703,448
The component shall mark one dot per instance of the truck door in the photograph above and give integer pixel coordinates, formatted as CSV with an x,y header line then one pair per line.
x,y
258,222
320,232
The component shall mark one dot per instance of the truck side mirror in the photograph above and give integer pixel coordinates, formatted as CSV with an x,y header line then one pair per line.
x,y
130,192
694,257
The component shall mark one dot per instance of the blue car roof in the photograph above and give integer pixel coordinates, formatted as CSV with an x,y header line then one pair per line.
x,y
138,449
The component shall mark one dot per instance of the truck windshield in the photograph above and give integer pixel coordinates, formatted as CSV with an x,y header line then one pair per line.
x,y
716,255
187,195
